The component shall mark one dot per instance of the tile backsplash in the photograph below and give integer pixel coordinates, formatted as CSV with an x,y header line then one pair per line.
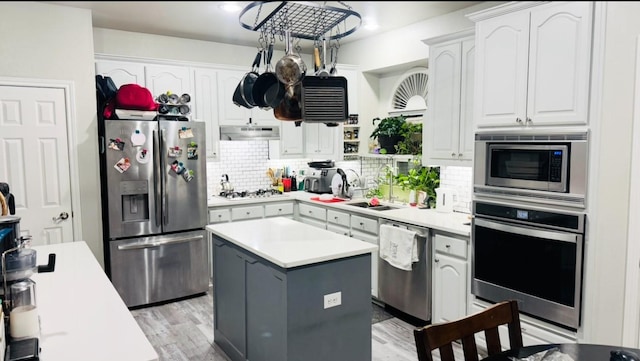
x,y
246,163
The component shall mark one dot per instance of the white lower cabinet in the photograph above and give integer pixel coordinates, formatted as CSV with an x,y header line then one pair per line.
x,y
366,229
312,215
279,210
242,213
338,222
534,331
450,278
219,215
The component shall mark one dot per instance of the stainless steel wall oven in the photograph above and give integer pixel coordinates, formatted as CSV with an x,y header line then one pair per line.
x,y
548,168
532,254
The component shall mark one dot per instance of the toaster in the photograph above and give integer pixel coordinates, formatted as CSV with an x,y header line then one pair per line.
x,y
319,180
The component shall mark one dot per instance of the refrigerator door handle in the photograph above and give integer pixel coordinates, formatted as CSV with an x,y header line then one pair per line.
x,y
142,245
163,174
157,168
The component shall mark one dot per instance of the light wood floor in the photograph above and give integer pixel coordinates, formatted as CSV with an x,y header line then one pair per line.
x,y
183,331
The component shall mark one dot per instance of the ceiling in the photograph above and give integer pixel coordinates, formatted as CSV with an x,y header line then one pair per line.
x,y
206,20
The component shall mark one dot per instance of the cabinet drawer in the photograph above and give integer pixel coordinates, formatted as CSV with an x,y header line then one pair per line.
x,y
336,217
278,209
318,213
364,224
241,213
450,245
219,215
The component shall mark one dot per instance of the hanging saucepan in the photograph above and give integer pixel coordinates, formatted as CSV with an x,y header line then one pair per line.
x,y
243,94
290,70
268,91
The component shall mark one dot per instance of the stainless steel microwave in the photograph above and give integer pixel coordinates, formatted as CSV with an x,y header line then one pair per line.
x,y
547,168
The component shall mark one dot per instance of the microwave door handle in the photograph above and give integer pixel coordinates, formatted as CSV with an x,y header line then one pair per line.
x,y
163,174
526,231
157,170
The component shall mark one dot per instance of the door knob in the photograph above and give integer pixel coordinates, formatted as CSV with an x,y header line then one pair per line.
x,y
61,217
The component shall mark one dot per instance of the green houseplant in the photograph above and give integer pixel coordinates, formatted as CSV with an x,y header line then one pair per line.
x,y
389,132
412,139
425,179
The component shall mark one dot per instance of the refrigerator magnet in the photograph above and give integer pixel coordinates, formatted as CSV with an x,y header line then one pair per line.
x,y
192,151
137,138
187,175
116,144
175,152
185,133
177,167
143,156
122,165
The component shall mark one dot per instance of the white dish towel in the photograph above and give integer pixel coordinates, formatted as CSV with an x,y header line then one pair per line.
x,y
398,246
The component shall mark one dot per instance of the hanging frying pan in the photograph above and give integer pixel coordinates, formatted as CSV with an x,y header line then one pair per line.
x,y
290,108
268,91
243,95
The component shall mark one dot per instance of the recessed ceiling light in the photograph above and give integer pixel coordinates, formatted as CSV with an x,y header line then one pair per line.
x,y
369,23
231,7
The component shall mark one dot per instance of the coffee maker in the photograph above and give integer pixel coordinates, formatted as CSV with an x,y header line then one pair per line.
x,y
19,305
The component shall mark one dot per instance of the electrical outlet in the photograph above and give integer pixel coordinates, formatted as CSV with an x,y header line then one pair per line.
x,y
332,300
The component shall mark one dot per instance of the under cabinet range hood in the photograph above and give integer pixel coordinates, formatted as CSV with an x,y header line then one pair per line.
x,y
249,132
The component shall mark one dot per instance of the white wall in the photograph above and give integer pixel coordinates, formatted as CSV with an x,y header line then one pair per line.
x,y
53,42
609,187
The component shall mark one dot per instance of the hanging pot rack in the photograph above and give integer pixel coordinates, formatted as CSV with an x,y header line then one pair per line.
x,y
303,20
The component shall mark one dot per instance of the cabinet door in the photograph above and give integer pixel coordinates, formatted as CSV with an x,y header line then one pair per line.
x,y
121,72
291,140
375,258
266,313
449,288
229,113
229,296
163,78
206,107
501,80
559,60
467,76
322,141
352,87
443,121
242,213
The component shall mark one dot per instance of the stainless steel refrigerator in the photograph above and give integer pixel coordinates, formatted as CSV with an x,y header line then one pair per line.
x,y
154,203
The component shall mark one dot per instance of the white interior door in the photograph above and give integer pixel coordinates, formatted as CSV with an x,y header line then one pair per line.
x,y
34,160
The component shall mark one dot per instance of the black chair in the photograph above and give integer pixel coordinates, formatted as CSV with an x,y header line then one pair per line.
x,y
442,335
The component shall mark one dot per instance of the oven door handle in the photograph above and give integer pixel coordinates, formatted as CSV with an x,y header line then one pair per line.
x,y
527,231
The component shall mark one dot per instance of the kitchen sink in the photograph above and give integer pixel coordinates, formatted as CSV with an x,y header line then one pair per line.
x,y
380,207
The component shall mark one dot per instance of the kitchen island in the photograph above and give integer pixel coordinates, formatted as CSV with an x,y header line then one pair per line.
x,y
82,316
284,290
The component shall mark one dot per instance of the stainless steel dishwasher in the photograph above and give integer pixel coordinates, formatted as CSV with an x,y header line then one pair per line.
x,y
408,291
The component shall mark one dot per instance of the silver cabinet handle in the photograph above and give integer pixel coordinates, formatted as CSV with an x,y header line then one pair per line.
x,y
61,217
448,246
436,260
528,120
518,120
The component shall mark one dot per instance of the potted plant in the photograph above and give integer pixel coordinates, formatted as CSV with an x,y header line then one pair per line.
x,y
425,179
412,139
389,132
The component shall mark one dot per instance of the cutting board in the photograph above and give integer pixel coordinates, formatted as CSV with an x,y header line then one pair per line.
x,y
332,200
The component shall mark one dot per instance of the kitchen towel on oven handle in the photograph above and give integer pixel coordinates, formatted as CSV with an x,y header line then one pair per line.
x,y
398,246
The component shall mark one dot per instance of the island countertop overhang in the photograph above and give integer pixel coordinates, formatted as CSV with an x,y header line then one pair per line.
x,y
288,243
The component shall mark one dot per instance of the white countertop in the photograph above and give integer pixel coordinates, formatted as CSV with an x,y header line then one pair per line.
x,y
82,316
288,243
453,222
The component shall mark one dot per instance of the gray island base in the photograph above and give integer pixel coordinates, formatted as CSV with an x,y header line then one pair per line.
x,y
298,304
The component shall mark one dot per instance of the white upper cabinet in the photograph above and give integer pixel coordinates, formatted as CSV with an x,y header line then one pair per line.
x,y
121,72
232,114
320,141
161,79
291,140
206,107
533,65
448,125
351,74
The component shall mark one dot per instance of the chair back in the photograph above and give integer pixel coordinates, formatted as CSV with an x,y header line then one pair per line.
x,y
442,335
